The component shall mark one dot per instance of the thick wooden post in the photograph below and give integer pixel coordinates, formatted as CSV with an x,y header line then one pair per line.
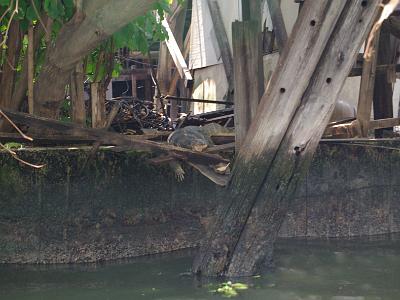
x,y
77,99
383,93
366,97
134,86
249,75
289,123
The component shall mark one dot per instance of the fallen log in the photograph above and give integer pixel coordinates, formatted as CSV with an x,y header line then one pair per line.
x,y
282,140
43,126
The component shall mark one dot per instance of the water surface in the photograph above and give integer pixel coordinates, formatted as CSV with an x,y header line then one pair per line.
x,y
357,270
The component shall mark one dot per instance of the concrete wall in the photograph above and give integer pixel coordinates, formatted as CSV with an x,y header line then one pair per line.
x,y
119,206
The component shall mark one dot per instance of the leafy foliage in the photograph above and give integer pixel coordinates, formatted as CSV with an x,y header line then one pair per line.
x,y
136,36
229,289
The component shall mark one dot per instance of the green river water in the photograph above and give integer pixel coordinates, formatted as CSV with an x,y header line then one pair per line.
x,y
357,270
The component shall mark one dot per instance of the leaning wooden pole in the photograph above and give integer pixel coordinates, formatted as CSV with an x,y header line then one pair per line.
x,y
367,86
282,140
275,11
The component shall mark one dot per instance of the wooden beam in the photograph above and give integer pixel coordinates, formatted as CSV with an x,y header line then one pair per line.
x,y
282,139
384,123
223,42
357,71
249,75
278,23
177,56
367,85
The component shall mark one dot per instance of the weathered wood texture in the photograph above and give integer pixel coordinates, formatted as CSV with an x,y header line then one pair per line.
x,y
252,10
367,85
281,141
177,55
275,11
383,93
176,23
223,42
249,75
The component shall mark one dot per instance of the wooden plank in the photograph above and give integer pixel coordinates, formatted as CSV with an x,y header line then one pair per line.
x,y
357,71
31,68
177,56
77,99
367,88
223,42
249,75
175,77
384,123
278,23
281,141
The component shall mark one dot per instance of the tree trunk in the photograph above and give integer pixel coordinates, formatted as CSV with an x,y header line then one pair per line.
x,y
98,96
77,99
10,65
21,87
281,141
98,20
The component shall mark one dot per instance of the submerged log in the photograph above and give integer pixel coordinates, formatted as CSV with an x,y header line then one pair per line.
x,y
282,140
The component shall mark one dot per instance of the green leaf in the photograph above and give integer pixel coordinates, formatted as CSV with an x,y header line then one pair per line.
x,y
5,2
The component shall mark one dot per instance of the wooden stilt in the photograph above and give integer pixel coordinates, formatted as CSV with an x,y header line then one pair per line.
x,y
282,139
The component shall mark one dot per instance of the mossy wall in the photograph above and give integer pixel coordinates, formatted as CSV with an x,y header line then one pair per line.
x,y
117,205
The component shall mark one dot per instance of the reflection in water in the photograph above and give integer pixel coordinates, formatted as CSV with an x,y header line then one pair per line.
x,y
356,270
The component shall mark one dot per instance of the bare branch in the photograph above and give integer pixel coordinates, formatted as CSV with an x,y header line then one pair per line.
x,y
15,126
